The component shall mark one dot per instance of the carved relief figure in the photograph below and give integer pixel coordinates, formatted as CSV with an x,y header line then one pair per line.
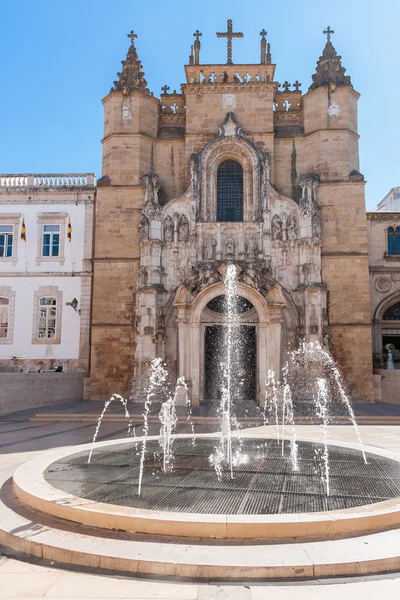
x,y
126,112
276,228
209,246
251,247
168,230
183,229
291,227
230,246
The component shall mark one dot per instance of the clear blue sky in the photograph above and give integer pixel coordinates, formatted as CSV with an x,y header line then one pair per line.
x,y
59,58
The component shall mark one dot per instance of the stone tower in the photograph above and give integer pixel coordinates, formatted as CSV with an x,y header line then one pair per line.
x,y
234,168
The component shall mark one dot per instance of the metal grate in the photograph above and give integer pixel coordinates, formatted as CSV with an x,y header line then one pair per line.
x,y
265,484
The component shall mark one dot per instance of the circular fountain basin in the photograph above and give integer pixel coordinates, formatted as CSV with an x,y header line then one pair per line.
x,y
265,499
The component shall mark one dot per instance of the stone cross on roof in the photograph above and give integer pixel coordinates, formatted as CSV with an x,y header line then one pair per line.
x,y
197,34
132,36
165,89
263,34
229,35
328,32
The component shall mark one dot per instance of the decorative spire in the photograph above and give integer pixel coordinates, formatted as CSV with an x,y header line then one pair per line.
x,y
263,59
196,47
131,78
329,69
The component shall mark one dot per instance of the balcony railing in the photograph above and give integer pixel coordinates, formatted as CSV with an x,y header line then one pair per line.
x,y
48,180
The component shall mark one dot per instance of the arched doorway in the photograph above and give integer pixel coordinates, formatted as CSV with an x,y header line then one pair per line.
x,y
243,351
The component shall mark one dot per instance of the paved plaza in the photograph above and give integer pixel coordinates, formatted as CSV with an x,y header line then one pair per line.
x,y
22,576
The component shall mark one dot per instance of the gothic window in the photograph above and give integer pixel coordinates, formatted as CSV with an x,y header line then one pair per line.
x,y
393,240
4,317
230,191
6,241
392,313
47,318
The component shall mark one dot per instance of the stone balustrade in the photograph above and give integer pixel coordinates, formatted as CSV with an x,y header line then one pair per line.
x,y
47,180
220,74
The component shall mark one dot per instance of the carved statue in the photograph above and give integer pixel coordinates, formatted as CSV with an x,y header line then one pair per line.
x,y
168,230
143,277
314,329
291,227
316,225
250,277
251,247
183,229
151,207
144,226
209,246
276,228
230,246
193,239
308,201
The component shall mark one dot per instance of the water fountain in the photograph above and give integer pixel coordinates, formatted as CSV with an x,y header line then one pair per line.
x,y
228,451
260,484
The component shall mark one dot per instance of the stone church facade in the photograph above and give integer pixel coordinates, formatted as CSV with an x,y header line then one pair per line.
x,y
233,168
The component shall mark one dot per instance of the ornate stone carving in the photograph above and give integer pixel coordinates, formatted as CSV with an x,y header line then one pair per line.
x,y
230,247
291,227
313,326
383,284
308,201
144,226
143,277
132,76
151,207
183,229
230,127
316,225
126,112
251,247
195,166
168,231
193,239
209,248
276,228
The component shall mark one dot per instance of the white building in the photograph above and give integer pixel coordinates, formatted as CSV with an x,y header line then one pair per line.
x,y
45,271
391,202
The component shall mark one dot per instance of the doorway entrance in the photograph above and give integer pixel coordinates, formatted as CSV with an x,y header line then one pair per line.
x,y
244,371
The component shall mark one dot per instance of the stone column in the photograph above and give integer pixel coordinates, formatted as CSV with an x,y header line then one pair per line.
x,y
262,359
195,362
274,342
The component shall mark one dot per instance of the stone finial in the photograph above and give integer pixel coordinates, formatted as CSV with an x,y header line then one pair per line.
x,y
329,71
297,85
196,47
263,59
286,85
132,77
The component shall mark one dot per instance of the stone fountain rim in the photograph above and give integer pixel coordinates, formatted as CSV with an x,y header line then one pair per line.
x,y
33,490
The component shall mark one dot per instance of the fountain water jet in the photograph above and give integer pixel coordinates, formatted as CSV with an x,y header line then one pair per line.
x,y
158,377
106,405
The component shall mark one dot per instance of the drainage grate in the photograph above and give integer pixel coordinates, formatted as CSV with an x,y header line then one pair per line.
x,y
264,484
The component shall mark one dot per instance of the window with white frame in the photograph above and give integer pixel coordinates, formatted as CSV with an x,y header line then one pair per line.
x,y
51,240
47,321
6,241
4,317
